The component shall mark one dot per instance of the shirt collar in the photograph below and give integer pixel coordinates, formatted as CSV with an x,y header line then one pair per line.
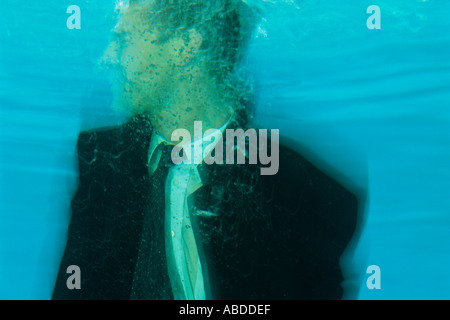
x,y
205,143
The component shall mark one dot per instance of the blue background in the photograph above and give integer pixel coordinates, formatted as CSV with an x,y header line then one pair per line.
x,y
369,106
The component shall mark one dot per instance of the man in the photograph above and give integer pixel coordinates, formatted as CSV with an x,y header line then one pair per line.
x,y
144,227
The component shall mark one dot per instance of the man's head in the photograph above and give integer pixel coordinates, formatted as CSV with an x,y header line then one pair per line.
x,y
222,24
166,48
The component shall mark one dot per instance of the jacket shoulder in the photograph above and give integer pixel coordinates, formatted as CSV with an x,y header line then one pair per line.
x,y
304,185
109,144
94,141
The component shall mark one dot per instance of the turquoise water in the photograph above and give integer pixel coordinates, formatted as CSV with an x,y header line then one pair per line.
x,y
372,105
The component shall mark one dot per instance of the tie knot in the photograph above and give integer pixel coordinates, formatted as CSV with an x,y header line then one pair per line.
x,y
161,157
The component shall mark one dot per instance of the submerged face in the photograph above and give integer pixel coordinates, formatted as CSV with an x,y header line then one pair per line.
x,y
167,79
147,66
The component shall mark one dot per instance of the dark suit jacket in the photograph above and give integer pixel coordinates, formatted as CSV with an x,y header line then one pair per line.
x,y
275,237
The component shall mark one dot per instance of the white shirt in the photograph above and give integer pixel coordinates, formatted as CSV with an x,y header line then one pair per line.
x,y
183,262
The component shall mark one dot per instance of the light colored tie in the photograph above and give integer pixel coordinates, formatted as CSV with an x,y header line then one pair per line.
x,y
185,269
183,261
